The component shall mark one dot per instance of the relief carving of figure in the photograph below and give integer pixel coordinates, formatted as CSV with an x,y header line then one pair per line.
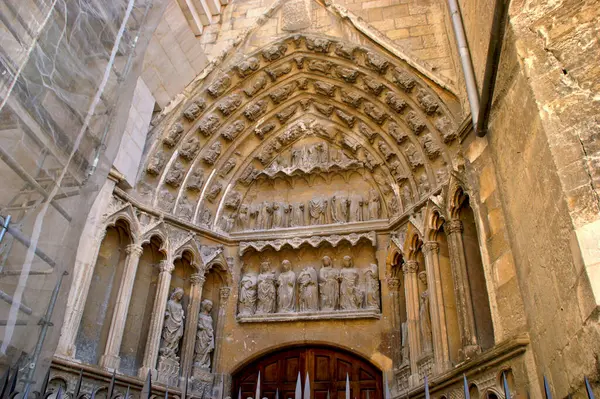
x,y
356,208
313,156
374,205
286,288
265,216
308,290
254,213
266,290
247,295
349,292
323,150
339,209
371,287
278,211
173,325
242,222
297,157
297,214
205,337
318,211
329,285
425,317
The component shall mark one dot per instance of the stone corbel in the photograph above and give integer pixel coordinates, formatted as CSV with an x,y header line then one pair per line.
x,y
314,241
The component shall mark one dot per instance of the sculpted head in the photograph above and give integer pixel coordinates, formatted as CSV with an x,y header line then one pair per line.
x,y
347,262
326,261
206,306
286,265
423,277
177,294
265,266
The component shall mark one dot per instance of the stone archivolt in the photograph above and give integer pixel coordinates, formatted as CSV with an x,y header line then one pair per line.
x,y
369,96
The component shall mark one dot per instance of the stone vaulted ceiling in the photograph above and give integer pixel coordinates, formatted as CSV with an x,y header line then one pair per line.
x,y
376,116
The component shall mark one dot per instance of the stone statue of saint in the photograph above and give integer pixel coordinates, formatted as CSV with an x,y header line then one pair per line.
x,y
405,347
297,157
318,211
247,295
286,288
267,292
243,218
265,216
356,208
329,285
205,337
308,290
173,325
424,316
297,215
339,209
371,287
349,292
374,205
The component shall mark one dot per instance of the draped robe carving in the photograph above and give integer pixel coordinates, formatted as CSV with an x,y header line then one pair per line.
x,y
205,337
286,288
308,290
173,325
349,293
329,285
247,295
266,289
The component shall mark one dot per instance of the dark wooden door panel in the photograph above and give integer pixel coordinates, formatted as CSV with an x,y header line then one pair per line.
x,y
327,369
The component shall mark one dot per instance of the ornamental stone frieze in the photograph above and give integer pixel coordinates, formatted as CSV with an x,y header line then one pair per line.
x,y
314,241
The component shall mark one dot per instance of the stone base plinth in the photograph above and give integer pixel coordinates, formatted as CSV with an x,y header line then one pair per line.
x,y
201,382
168,371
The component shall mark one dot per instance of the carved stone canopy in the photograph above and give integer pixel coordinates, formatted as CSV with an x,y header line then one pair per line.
x,y
313,241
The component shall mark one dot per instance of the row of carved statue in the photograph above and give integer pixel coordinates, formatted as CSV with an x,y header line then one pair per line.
x,y
332,289
321,210
173,327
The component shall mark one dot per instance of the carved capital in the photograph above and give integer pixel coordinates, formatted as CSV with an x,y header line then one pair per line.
x,y
197,278
454,226
166,266
410,266
224,294
393,284
431,246
134,250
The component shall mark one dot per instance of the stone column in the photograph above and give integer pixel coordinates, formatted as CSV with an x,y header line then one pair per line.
x,y
157,320
110,359
466,317
224,293
431,250
411,287
191,325
394,289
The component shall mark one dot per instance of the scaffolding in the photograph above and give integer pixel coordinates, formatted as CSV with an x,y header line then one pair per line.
x,y
65,67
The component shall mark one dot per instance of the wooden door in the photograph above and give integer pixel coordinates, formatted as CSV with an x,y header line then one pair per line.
x,y
327,369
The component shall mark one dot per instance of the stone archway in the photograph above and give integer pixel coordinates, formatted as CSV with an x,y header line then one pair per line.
x,y
327,367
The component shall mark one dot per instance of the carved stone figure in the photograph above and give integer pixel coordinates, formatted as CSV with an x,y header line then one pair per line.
x,y
265,216
174,135
317,211
227,223
248,66
173,325
230,104
308,290
385,150
374,205
278,213
404,80
329,285
243,218
395,102
190,149
232,131
339,209
427,102
415,122
356,208
255,86
233,200
297,216
219,86
175,175
205,337
194,110
209,124
286,288
254,217
256,110
424,316
349,292
266,290
247,295
228,166
196,180
212,154
371,287
214,191
375,113
157,162
206,217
